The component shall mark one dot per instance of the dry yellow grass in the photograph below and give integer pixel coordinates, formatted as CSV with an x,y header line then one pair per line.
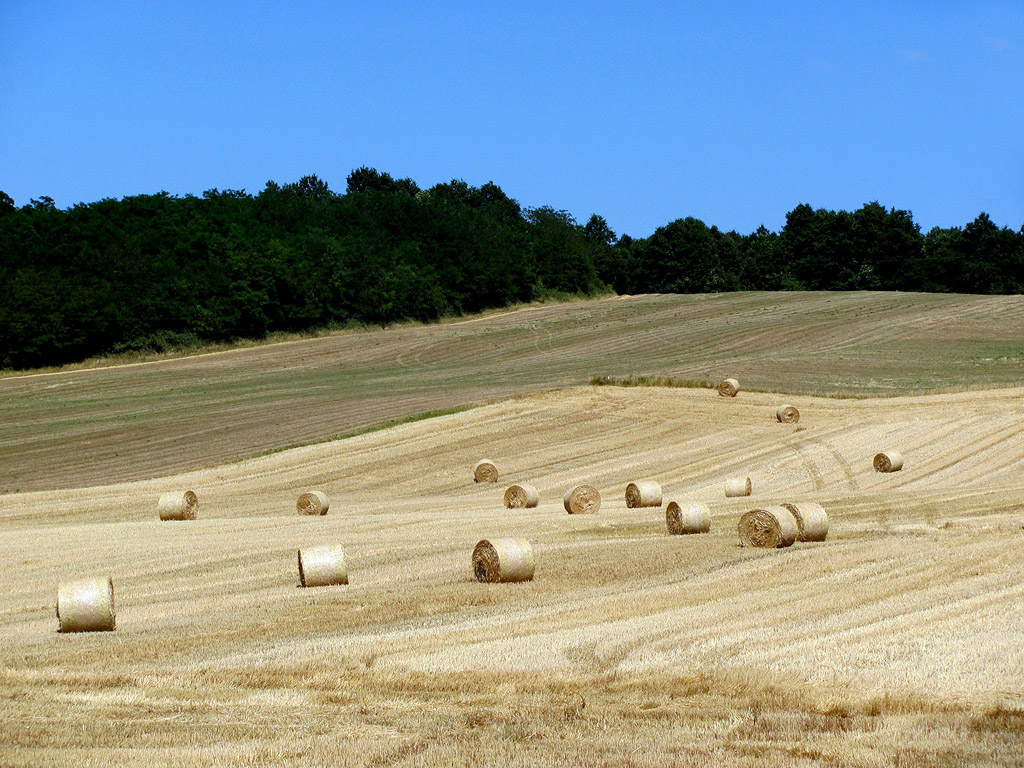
x,y
894,642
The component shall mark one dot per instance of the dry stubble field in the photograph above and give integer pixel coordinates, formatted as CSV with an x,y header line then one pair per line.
x,y
109,425
895,642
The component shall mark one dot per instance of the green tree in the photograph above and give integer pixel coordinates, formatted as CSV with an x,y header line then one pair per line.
x,y
600,242
980,258
560,255
365,179
686,256
992,258
888,245
818,249
760,263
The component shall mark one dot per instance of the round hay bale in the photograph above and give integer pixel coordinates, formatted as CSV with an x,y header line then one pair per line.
x,y
888,461
769,527
729,388
811,520
503,560
645,493
582,500
737,486
178,505
787,414
322,566
313,503
86,605
687,517
521,496
485,472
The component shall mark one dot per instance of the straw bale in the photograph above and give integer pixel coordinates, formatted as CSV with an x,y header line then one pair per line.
x,y
521,496
687,517
582,500
737,486
769,527
178,505
86,605
503,560
729,388
485,472
787,414
313,503
322,566
645,493
811,520
888,461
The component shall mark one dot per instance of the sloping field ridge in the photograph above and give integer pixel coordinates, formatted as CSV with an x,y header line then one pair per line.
x,y
96,426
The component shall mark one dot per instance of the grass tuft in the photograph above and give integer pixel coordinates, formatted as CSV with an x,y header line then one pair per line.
x,y
649,381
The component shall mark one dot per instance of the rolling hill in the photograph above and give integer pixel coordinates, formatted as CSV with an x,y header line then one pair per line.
x,y
106,425
894,642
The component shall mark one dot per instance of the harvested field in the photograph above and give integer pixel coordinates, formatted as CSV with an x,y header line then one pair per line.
x,y
85,427
909,610
894,642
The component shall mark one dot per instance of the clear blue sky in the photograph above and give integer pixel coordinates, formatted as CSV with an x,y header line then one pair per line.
x,y
733,112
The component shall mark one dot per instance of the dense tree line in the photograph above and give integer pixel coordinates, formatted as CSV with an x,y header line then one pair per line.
x,y
157,271
873,248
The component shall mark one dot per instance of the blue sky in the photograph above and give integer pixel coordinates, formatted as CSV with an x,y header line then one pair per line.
x,y
733,112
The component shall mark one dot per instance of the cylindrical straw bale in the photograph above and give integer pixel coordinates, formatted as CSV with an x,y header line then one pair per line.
x,y
502,560
729,388
86,605
521,496
811,520
322,566
485,472
645,493
737,486
769,527
313,503
582,500
178,505
888,461
687,517
787,414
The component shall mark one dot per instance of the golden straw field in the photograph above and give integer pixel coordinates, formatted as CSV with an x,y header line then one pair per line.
x,y
897,641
